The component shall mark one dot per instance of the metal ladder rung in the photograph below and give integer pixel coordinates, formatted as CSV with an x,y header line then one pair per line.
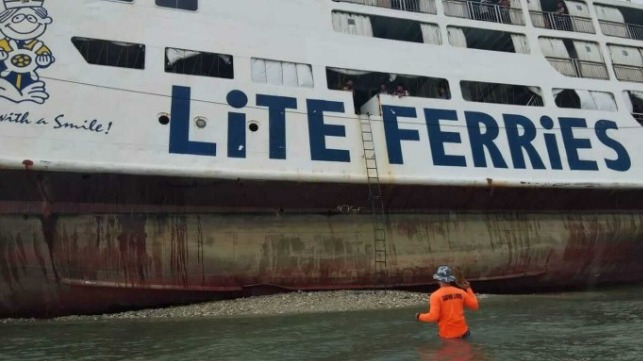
x,y
369,145
367,137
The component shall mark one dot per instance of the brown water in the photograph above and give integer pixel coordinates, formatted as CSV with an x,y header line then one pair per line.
x,y
597,325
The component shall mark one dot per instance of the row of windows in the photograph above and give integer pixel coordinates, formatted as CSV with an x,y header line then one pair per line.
x,y
413,31
363,84
549,14
573,58
563,15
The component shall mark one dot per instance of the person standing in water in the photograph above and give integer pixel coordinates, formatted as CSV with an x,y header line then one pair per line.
x,y
446,305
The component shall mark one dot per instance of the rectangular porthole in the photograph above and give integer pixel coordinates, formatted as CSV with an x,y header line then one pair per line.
x,y
282,73
384,27
192,5
111,53
191,62
492,40
501,93
585,99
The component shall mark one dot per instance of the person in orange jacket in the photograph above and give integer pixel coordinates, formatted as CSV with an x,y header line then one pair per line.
x,y
446,306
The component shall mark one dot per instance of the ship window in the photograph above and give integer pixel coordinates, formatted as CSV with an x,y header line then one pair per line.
x,y
622,22
181,61
635,98
368,85
585,99
111,53
501,93
281,73
179,4
628,62
575,58
487,40
386,28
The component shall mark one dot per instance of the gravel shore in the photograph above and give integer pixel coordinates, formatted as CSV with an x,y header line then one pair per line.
x,y
280,304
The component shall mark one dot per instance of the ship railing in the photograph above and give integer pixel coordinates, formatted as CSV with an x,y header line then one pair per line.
x,y
636,31
628,73
564,66
483,12
416,6
621,30
563,22
591,69
579,68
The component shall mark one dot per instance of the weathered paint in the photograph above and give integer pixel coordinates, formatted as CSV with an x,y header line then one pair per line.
x,y
98,263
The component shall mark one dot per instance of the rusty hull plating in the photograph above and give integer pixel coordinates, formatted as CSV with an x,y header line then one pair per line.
x,y
73,243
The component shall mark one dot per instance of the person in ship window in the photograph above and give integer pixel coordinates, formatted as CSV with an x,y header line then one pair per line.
x,y
503,6
446,305
348,86
443,93
21,53
383,89
401,91
485,10
563,22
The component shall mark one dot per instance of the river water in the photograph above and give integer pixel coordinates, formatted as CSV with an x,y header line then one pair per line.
x,y
593,325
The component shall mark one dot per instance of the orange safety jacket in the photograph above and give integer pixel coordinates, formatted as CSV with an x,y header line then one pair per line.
x,y
446,307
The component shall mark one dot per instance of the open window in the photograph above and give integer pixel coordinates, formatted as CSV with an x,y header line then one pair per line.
x,y
487,40
564,15
386,28
191,62
620,21
501,93
585,99
500,11
111,53
575,58
634,99
420,6
368,84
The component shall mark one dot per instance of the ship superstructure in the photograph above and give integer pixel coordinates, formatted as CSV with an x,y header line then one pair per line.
x,y
158,152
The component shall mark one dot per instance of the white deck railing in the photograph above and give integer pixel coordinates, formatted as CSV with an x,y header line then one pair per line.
x,y
579,68
549,20
483,12
621,30
628,73
417,6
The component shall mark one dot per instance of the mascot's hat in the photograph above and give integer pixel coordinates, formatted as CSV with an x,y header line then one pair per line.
x,y
16,4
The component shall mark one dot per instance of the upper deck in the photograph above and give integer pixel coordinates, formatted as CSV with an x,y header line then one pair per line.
x,y
130,62
523,43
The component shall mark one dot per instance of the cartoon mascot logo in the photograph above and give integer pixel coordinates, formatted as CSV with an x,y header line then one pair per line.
x,y
22,22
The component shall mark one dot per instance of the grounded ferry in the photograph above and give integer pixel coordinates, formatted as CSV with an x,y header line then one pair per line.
x,y
157,152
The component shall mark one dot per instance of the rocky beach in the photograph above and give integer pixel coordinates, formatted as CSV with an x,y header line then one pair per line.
x,y
279,304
